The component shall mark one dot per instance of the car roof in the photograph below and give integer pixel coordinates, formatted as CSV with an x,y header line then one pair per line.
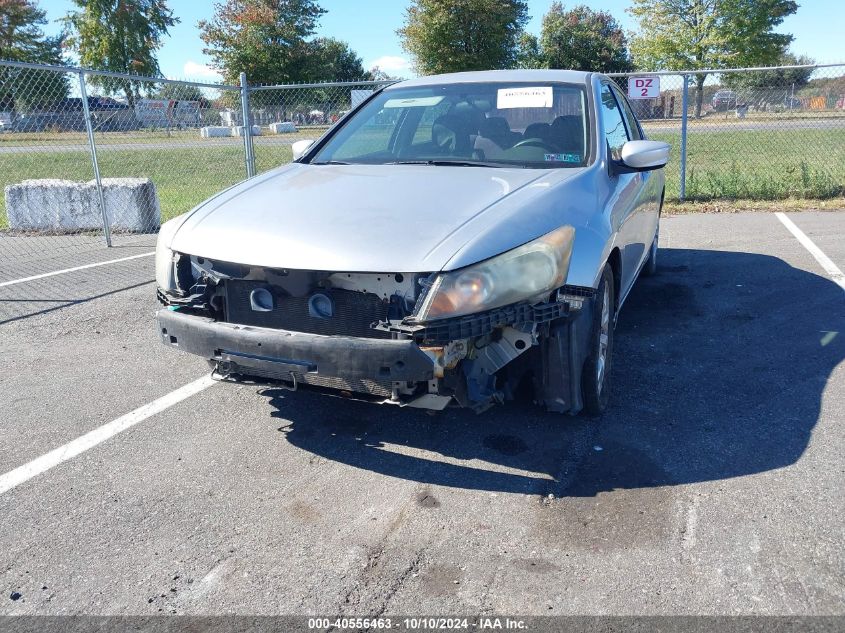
x,y
484,76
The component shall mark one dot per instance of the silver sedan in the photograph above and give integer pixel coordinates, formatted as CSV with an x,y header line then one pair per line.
x,y
454,240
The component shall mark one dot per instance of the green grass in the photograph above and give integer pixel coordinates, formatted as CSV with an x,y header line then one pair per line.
x,y
147,135
729,118
742,165
758,165
183,177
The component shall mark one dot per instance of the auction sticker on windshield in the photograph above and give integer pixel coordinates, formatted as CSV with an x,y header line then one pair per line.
x,y
531,97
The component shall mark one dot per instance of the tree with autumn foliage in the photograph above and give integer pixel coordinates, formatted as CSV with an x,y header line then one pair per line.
x,y
119,36
583,39
454,35
705,34
21,36
266,39
330,59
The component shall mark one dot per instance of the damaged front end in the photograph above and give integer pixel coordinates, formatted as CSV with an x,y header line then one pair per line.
x,y
387,337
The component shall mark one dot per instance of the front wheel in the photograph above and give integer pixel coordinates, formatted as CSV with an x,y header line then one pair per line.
x,y
595,379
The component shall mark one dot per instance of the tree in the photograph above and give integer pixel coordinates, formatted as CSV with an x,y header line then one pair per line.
x,y
179,92
583,39
22,40
119,36
377,74
333,60
700,34
266,39
455,35
792,78
528,52
21,37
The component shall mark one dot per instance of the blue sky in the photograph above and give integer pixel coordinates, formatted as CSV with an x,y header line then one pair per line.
x,y
370,28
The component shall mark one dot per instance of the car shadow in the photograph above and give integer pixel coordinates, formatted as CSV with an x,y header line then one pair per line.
x,y
720,364
18,309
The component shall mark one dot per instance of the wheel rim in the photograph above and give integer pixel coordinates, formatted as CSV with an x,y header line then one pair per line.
x,y
604,338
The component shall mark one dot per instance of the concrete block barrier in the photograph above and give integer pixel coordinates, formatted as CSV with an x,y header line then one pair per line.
x,y
215,131
282,127
238,130
51,206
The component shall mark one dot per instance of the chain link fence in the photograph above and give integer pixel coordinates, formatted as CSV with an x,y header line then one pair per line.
x,y
91,159
282,115
109,169
750,134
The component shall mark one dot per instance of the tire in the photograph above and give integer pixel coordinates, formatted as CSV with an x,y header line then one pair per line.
x,y
595,378
650,266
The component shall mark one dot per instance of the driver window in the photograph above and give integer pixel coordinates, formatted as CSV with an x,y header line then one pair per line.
x,y
614,126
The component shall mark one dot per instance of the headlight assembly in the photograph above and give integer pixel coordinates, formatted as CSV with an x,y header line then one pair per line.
x,y
525,273
165,276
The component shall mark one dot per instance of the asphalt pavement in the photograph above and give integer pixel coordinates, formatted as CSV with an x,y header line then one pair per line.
x,y
713,485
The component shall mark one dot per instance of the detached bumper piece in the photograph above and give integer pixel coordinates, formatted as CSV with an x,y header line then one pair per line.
x,y
365,365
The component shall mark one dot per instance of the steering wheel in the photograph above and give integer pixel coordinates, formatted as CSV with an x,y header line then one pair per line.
x,y
535,142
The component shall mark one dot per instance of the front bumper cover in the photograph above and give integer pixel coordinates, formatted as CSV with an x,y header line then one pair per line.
x,y
279,351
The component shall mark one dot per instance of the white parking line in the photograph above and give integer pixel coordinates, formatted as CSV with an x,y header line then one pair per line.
x,y
830,268
71,270
99,435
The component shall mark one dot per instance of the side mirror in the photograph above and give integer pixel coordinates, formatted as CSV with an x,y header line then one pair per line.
x,y
645,155
300,147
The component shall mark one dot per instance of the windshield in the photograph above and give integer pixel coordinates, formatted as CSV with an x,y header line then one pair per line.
x,y
486,124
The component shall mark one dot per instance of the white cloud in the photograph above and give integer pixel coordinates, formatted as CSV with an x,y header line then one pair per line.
x,y
391,63
194,70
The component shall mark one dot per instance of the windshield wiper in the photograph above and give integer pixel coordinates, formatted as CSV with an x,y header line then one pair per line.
x,y
330,162
447,163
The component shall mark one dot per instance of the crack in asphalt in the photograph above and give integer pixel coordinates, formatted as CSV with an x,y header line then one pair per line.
x,y
371,582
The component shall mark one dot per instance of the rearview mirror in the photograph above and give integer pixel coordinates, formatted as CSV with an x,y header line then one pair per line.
x,y
645,155
300,147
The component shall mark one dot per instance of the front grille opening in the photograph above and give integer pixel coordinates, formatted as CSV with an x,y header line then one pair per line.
x,y
352,312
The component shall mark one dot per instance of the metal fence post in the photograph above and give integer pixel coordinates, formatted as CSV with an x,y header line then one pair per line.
x,y
249,156
684,103
90,129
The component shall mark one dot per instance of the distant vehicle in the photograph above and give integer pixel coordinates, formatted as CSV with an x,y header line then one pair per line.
x,y
724,100
168,113
412,262
5,121
49,121
67,115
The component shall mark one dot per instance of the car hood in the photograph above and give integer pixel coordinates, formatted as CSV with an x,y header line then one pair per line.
x,y
367,218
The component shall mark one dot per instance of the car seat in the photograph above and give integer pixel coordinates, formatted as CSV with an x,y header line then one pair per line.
x,y
567,134
496,129
451,135
542,131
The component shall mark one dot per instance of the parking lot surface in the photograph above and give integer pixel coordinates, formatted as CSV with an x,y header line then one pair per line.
x,y
713,485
